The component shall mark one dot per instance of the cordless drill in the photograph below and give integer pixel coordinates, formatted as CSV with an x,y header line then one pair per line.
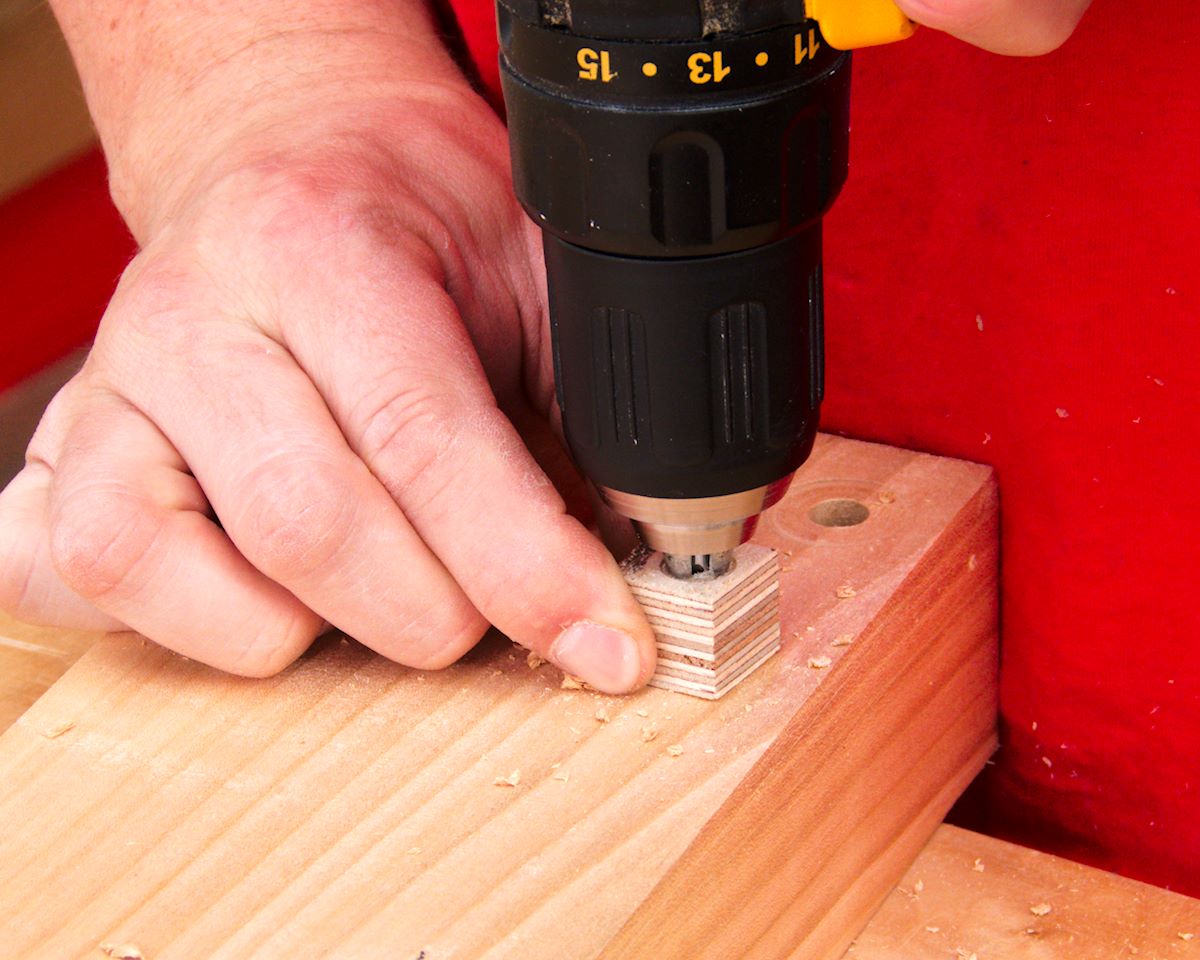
x,y
679,156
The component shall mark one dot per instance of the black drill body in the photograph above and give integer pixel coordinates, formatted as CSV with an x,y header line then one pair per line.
x,y
679,157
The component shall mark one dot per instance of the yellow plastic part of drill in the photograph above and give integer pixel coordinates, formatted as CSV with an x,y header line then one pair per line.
x,y
849,24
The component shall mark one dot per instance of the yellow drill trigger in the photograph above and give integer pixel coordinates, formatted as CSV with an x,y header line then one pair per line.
x,y
849,24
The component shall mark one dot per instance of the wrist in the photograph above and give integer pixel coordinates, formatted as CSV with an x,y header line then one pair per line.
x,y
216,86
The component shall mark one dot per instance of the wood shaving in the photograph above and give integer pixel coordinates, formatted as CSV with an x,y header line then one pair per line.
x,y
887,497
846,592
56,731
649,732
819,663
1040,909
602,715
534,660
122,951
977,866
674,750
843,640
572,683
510,781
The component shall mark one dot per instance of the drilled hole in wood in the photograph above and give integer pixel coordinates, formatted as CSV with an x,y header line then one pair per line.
x,y
839,513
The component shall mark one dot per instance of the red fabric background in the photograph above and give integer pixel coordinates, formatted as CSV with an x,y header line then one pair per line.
x,y
1056,202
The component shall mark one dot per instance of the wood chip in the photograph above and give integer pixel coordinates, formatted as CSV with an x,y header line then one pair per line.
x,y
510,781
534,660
843,640
965,954
649,732
602,715
918,886
977,866
413,851
572,683
56,731
562,776
1040,909
122,951
674,750
1186,936
887,497
846,592
932,929
643,713
819,663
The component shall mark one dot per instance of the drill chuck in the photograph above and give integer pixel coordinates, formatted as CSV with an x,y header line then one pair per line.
x,y
679,168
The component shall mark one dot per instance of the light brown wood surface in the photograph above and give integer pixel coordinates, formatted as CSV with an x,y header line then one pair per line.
x,y
968,894
350,806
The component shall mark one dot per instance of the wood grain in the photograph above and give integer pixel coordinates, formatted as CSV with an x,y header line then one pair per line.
x,y
32,658
349,805
970,894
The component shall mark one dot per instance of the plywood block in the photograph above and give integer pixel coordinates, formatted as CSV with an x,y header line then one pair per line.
x,y
712,634
351,807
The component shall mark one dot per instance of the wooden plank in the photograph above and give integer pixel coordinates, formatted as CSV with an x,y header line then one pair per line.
x,y
965,891
32,658
968,894
348,806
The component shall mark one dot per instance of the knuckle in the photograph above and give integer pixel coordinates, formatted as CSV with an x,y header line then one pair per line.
x,y
99,537
439,634
274,646
414,425
298,515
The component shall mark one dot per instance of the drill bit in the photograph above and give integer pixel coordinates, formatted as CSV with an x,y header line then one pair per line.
x,y
697,566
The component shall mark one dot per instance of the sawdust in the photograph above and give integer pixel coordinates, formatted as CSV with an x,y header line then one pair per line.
x,y
674,750
58,729
602,715
965,954
562,776
972,563
887,496
649,732
843,640
977,866
819,663
643,713
414,851
846,592
1186,936
122,951
1040,909
573,683
510,781
932,929
534,660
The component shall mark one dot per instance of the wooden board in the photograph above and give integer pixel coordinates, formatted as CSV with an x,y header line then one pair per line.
x,y
32,658
971,895
349,806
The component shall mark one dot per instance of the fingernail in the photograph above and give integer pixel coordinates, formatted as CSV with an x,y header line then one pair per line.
x,y
606,658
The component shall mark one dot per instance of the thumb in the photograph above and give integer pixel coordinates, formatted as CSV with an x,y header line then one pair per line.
x,y
1014,27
